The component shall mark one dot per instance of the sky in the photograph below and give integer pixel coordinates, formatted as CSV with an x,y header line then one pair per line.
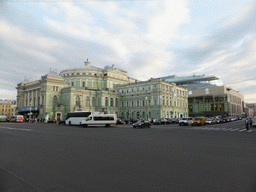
x,y
145,38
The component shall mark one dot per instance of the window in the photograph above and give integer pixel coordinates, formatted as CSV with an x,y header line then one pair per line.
x,y
53,88
138,103
132,103
155,102
127,104
149,102
72,84
57,88
143,103
122,106
83,84
38,101
93,102
116,102
106,101
111,102
77,100
54,101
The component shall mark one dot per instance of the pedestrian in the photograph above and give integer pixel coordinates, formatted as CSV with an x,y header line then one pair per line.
x,y
250,121
247,123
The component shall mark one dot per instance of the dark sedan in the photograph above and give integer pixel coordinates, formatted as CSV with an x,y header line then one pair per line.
x,y
141,124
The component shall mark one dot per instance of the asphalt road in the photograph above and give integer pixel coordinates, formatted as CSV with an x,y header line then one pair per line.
x,y
51,157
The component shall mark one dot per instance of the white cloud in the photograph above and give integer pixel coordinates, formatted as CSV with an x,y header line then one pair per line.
x,y
163,26
7,94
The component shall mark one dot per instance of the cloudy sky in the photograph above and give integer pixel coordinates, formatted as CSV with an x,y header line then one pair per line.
x,y
145,38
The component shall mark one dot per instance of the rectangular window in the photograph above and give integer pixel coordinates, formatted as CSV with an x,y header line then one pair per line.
x,y
138,103
57,88
53,88
83,84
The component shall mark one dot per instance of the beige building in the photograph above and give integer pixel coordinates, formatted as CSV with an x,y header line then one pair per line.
x,y
5,108
213,101
253,107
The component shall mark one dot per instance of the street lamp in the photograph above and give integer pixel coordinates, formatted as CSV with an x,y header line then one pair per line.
x,y
147,106
29,111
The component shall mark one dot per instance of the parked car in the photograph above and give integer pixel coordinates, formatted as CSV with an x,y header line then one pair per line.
x,y
210,121
175,120
186,121
51,121
141,124
218,120
62,122
199,121
133,121
158,122
253,122
225,120
164,121
119,121
169,121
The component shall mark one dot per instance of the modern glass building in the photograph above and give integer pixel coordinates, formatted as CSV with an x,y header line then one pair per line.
x,y
207,96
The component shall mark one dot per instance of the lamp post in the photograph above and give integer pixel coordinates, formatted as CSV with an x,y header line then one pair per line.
x,y
146,106
29,111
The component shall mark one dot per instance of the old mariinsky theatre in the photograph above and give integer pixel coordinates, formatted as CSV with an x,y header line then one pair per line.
x,y
89,88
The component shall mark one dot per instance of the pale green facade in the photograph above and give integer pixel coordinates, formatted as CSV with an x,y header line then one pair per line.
x,y
110,89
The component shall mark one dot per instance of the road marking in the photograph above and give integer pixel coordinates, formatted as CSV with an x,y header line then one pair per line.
x,y
15,128
234,129
249,131
242,130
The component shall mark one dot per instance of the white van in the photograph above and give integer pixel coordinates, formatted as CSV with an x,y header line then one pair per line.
x,y
100,119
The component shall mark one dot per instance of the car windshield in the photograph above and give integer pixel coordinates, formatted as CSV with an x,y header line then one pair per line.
x,y
198,119
184,119
208,119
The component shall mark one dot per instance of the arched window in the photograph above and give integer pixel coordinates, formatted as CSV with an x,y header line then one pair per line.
x,y
116,102
77,100
87,102
93,102
106,101
54,100
111,102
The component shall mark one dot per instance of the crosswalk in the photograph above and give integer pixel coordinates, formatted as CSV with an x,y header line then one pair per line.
x,y
240,130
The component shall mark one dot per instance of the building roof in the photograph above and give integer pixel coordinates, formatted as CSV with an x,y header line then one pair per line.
x,y
188,79
83,68
4,102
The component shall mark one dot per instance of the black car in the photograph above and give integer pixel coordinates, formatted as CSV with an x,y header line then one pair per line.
x,y
157,122
62,122
141,124
51,121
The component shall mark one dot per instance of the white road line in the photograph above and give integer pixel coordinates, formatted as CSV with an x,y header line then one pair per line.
x,y
15,128
249,131
234,130
242,130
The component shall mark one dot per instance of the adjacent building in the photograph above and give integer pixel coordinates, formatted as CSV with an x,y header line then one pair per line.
x,y
6,108
208,96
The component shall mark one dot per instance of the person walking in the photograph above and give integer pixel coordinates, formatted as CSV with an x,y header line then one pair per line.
x,y
247,123
250,121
